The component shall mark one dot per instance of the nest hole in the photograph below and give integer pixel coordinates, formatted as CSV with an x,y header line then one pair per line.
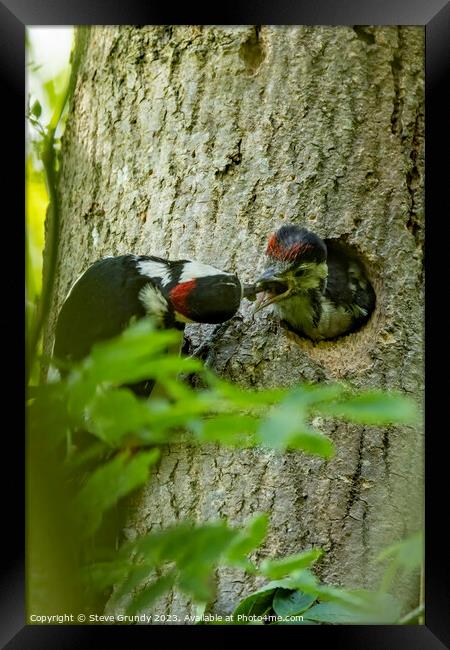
x,y
355,349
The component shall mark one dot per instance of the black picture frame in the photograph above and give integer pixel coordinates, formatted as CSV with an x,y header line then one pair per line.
x,y
434,15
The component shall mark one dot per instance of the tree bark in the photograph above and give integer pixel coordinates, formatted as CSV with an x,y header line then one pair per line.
x,y
197,142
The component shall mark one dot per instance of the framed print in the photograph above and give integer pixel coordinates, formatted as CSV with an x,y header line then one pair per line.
x,y
225,322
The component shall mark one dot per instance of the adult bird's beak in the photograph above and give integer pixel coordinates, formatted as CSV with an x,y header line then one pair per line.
x,y
249,292
275,285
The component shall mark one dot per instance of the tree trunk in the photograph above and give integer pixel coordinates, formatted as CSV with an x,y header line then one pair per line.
x,y
197,142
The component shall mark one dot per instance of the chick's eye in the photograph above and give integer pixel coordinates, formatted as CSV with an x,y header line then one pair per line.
x,y
299,272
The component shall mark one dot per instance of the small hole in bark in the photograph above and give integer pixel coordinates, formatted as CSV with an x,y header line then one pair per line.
x,y
364,35
252,51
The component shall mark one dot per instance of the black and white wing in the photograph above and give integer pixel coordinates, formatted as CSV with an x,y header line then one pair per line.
x,y
100,306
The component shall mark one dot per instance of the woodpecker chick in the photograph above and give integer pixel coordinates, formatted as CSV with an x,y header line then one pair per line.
x,y
114,290
318,293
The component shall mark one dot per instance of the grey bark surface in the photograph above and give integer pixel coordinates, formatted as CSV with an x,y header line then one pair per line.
x,y
197,142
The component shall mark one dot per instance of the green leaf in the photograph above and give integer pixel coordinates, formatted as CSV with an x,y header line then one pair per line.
x,y
312,394
313,442
115,414
285,420
158,546
195,550
108,484
47,415
198,581
102,575
288,621
246,541
306,581
49,88
333,613
227,429
408,553
166,416
206,544
374,607
134,368
286,428
197,557
378,607
130,580
139,353
375,407
289,603
244,398
80,391
96,451
149,594
36,109
279,568
200,609
272,586
257,604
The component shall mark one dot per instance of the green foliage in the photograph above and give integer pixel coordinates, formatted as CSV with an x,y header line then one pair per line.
x,y
373,608
92,397
47,119
258,604
300,593
36,109
407,553
280,568
402,556
374,407
290,603
184,556
41,113
248,539
107,484
287,427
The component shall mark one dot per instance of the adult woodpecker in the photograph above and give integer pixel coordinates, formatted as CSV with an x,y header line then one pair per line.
x,y
319,293
114,290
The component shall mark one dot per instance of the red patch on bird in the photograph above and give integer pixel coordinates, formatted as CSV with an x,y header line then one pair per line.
x,y
284,253
179,295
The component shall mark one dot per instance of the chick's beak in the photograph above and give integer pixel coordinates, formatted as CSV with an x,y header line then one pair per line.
x,y
273,284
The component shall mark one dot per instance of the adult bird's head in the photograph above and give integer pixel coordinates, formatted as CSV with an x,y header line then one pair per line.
x,y
203,294
191,291
296,263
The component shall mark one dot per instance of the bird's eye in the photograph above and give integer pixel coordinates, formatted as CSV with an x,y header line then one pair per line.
x,y
299,272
